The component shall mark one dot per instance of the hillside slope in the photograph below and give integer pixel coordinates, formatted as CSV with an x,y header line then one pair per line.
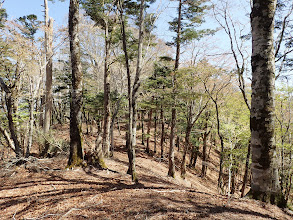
x,y
43,189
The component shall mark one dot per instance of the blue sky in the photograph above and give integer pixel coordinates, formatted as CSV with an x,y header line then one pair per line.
x,y
59,12
18,8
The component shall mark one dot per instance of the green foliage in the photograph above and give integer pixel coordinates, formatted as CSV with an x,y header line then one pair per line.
x,y
30,24
102,12
192,16
3,17
158,85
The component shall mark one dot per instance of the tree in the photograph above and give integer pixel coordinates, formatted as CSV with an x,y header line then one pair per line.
x,y
190,15
237,48
193,100
104,13
49,74
265,179
214,88
76,153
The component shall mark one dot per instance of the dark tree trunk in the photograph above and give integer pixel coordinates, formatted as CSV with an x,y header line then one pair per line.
x,y
115,113
185,149
162,132
204,152
149,129
245,177
11,125
171,171
178,143
220,177
130,137
10,105
142,129
155,133
107,112
76,151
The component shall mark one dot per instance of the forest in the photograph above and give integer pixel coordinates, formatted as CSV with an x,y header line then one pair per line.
x,y
108,100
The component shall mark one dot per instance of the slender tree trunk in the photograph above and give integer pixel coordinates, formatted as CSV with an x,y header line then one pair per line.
x,y
107,113
220,178
155,133
162,132
31,121
265,179
178,143
49,69
171,171
178,37
115,113
129,142
7,138
204,151
245,177
149,128
142,128
136,83
76,148
186,147
41,110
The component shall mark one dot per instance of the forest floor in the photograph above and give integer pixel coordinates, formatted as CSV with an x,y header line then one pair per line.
x,y
44,189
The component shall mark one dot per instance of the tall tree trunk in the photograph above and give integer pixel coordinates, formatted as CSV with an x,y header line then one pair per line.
x,y
76,151
114,116
265,179
41,111
204,148
49,69
171,171
31,120
155,133
142,128
136,83
220,177
162,132
186,147
129,141
107,116
178,40
149,129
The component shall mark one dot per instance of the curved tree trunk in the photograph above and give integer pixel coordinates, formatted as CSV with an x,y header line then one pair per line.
x,y
265,179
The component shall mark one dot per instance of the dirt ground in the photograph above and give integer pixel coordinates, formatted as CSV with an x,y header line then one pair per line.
x,y
44,189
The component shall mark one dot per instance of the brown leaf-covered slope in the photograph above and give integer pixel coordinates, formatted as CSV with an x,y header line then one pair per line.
x,y
43,189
